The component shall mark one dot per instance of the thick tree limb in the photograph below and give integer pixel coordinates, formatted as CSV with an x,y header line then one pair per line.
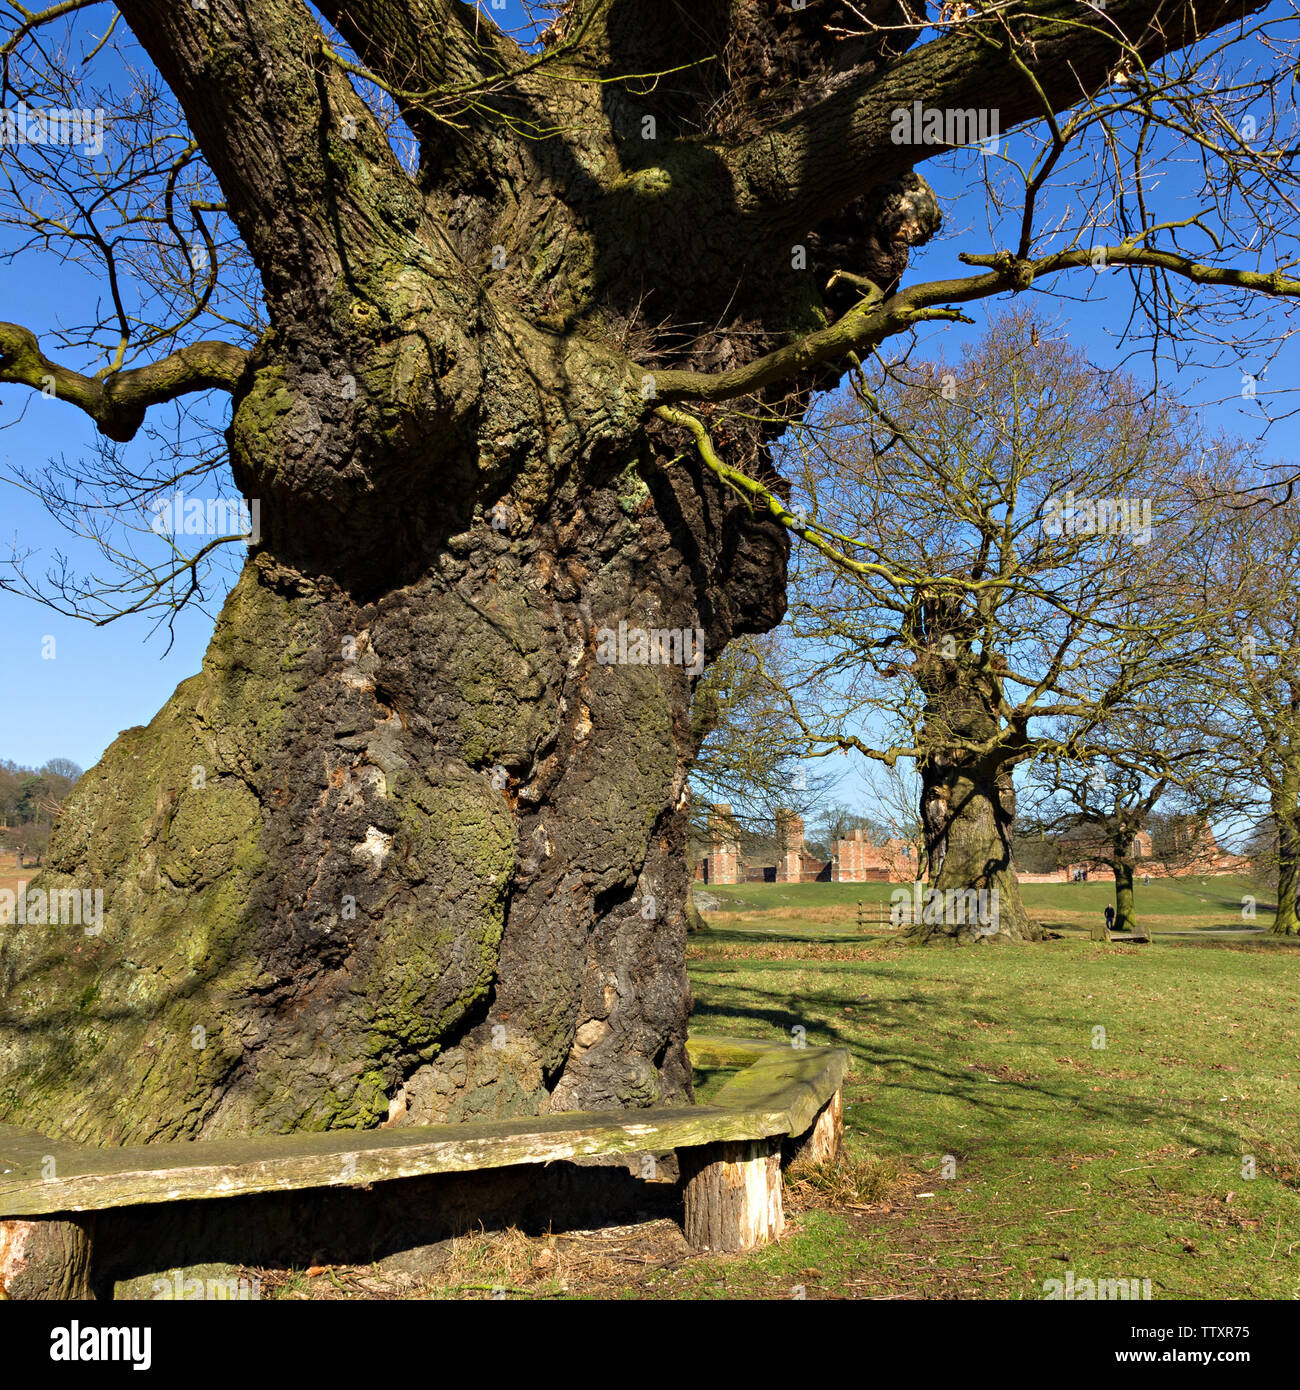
x,y
813,164
628,36
416,48
872,321
309,179
117,402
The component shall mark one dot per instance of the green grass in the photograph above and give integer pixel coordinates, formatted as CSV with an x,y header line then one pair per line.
x,y
754,897
1122,1161
1183,904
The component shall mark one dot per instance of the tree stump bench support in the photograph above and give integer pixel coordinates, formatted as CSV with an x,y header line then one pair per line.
x,y
783,1100
732,1191
821,1144
45,1258
733,1195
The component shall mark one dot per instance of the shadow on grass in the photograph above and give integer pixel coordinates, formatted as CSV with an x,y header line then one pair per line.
x,y
930,1071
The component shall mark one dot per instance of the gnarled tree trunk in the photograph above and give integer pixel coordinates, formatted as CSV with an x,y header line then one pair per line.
x,y
406,848
1122,867
410,847
969,812
419,852
968,798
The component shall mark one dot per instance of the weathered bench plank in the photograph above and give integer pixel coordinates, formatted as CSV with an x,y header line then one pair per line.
x,y
779,1094
789,1086
91,1179
730,1150
716,1050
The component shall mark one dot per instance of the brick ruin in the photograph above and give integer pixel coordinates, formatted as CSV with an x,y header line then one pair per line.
x,y
721,864
1196,854
858,859
855,858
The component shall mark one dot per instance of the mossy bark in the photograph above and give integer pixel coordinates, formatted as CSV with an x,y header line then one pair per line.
x,y
968,797
1286,921
405,849
969,812
420,856
1125,911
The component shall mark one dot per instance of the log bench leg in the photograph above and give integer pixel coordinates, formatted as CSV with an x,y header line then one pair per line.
x,y
821,1142
733,1194
45,1258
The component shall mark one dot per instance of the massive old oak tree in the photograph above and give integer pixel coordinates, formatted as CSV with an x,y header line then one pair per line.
x,y
388,855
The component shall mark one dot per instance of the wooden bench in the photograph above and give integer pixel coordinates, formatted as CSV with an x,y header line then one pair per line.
x,y
782,1099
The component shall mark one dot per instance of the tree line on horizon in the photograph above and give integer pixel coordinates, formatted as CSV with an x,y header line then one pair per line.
x,y
30,798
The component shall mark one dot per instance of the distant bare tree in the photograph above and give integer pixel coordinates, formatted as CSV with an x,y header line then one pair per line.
x,y
1004,571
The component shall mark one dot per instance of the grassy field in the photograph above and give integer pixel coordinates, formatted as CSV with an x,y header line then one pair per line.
x,y
1183,904
1120,1153
1013,1114
1098,1110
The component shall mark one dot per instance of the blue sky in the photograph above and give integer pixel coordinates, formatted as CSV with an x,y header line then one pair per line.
x,y
102,680
99,680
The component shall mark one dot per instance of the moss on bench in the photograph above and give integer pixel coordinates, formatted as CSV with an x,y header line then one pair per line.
x,y
777,1094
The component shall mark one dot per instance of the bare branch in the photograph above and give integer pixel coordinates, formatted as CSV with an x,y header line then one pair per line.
x,y
809,166
871,322
117,401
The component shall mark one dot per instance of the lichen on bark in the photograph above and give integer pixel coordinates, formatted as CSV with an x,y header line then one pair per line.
x,y
406,849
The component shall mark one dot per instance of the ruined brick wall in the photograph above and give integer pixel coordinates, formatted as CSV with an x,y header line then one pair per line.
x,y
722,863
855,859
